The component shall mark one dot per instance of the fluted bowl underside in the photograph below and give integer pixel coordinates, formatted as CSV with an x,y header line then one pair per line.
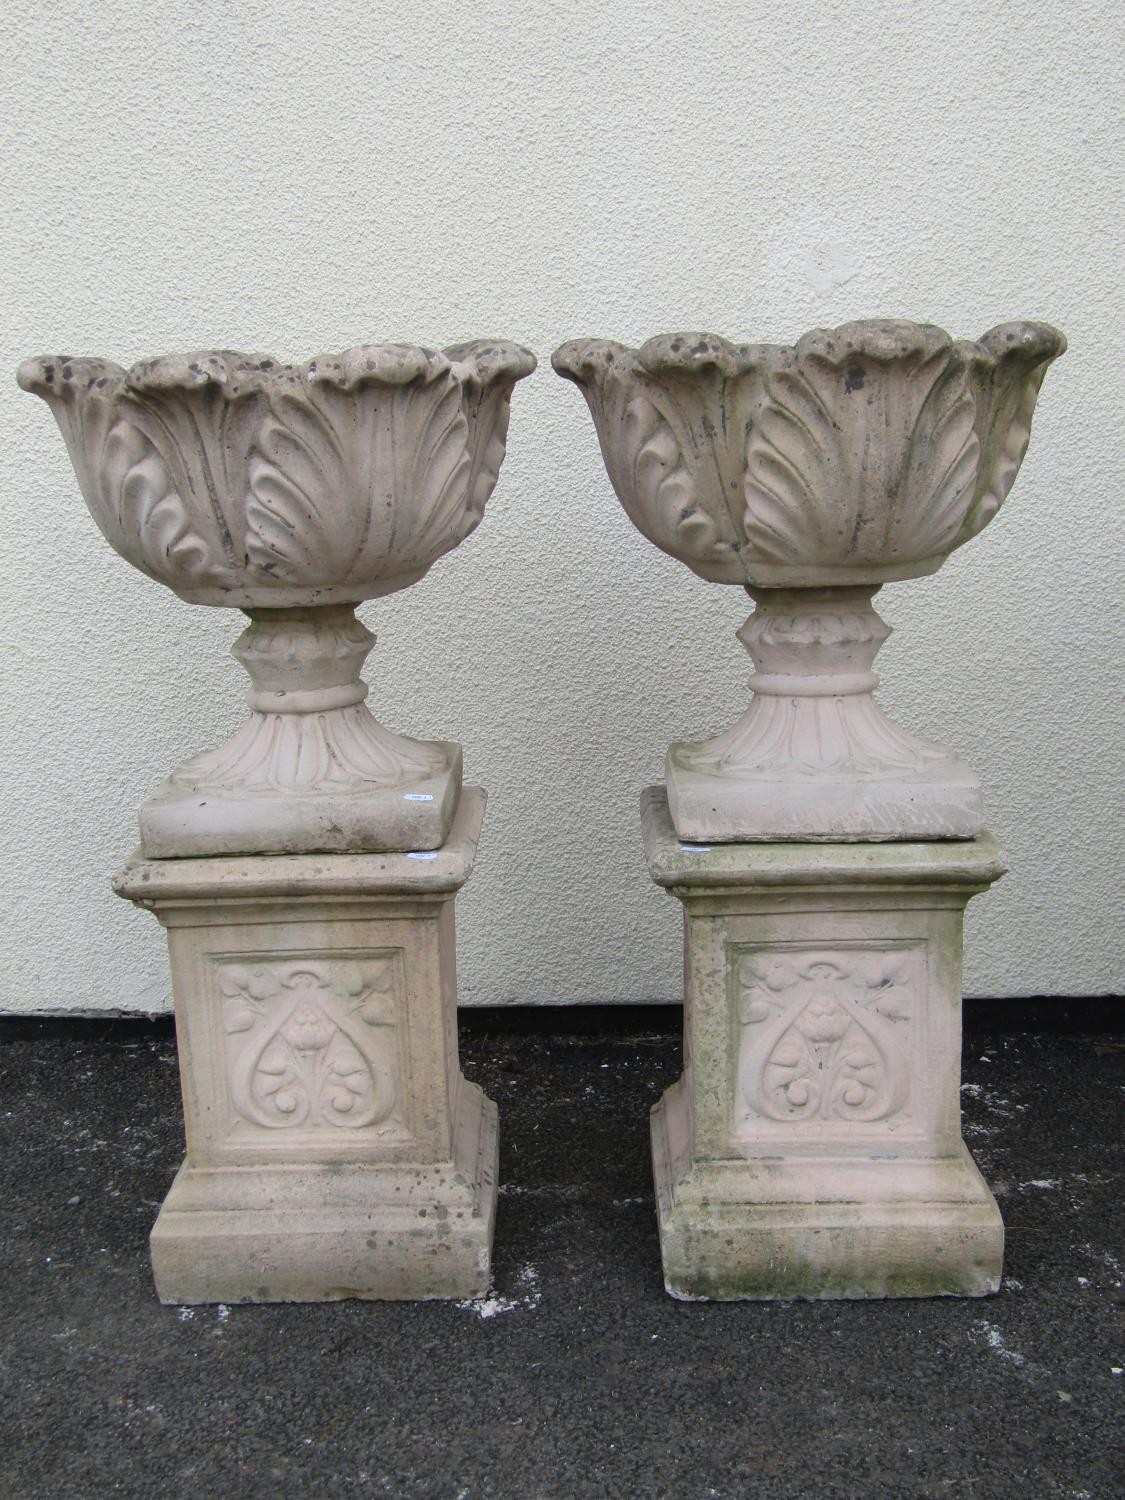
x,y
861,454
238,480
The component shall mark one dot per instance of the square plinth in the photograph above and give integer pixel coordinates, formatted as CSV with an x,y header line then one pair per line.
x,y
813,1146
334,1147
317,1232
943,802
177,823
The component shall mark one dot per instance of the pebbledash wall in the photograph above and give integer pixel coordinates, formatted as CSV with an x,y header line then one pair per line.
x,y
298,178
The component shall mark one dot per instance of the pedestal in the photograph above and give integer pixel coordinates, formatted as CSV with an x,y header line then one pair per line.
x,y
813,1146
334,1147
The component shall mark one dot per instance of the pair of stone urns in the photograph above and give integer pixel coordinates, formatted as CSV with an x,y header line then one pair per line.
x,y
306,870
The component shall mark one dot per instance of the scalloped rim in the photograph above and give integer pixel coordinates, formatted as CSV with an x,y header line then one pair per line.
x,y
884,340
480,362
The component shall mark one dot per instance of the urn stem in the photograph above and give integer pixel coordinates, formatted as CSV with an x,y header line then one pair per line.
x,y
304,660
311,767
814,643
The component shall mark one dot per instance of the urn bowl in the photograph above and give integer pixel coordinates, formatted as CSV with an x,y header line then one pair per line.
x,y
859,455
239,480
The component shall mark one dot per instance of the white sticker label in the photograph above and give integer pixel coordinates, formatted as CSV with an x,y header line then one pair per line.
x,y
695,848
417,796
429,854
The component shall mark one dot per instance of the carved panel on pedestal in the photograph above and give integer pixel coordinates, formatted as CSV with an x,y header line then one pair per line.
x,y
826,1034
312,1044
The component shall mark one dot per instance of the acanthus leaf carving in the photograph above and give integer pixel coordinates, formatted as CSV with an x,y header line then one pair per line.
x,y
431,447
330,482
296,462
347,482
346,750
851,434
1011,362
152,525
669,448
791,738
664,484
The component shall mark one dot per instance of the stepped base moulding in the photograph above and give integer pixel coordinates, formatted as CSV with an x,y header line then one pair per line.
x,y
813,1146
334,1147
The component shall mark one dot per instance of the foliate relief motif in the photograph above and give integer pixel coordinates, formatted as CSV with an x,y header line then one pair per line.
x,y
236,479
672,438
347,750
311,1044
864,452
790,739
882,443
402,460
824,1034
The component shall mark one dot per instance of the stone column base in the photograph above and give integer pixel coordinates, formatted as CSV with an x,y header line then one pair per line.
x,y
813,1146
334,1147
827,1228
318,1233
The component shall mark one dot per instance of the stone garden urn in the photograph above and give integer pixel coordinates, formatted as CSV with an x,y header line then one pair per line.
x,y
293,492
306,871
810,476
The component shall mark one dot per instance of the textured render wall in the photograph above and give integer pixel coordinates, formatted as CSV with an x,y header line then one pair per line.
x,y
300,177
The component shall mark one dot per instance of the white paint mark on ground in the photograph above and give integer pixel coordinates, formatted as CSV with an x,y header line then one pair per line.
x,y
492,1305
1046,1183
994,1340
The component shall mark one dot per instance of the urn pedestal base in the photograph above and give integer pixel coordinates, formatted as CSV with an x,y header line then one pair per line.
x,y
334,1147
311,770
813,1146
315,1232
814,758
942,801
177,822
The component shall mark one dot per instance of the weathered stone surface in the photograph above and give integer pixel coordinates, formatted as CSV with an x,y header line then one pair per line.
x,y
292,492
334,1147
811,475
814,757
813,1146
311,769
